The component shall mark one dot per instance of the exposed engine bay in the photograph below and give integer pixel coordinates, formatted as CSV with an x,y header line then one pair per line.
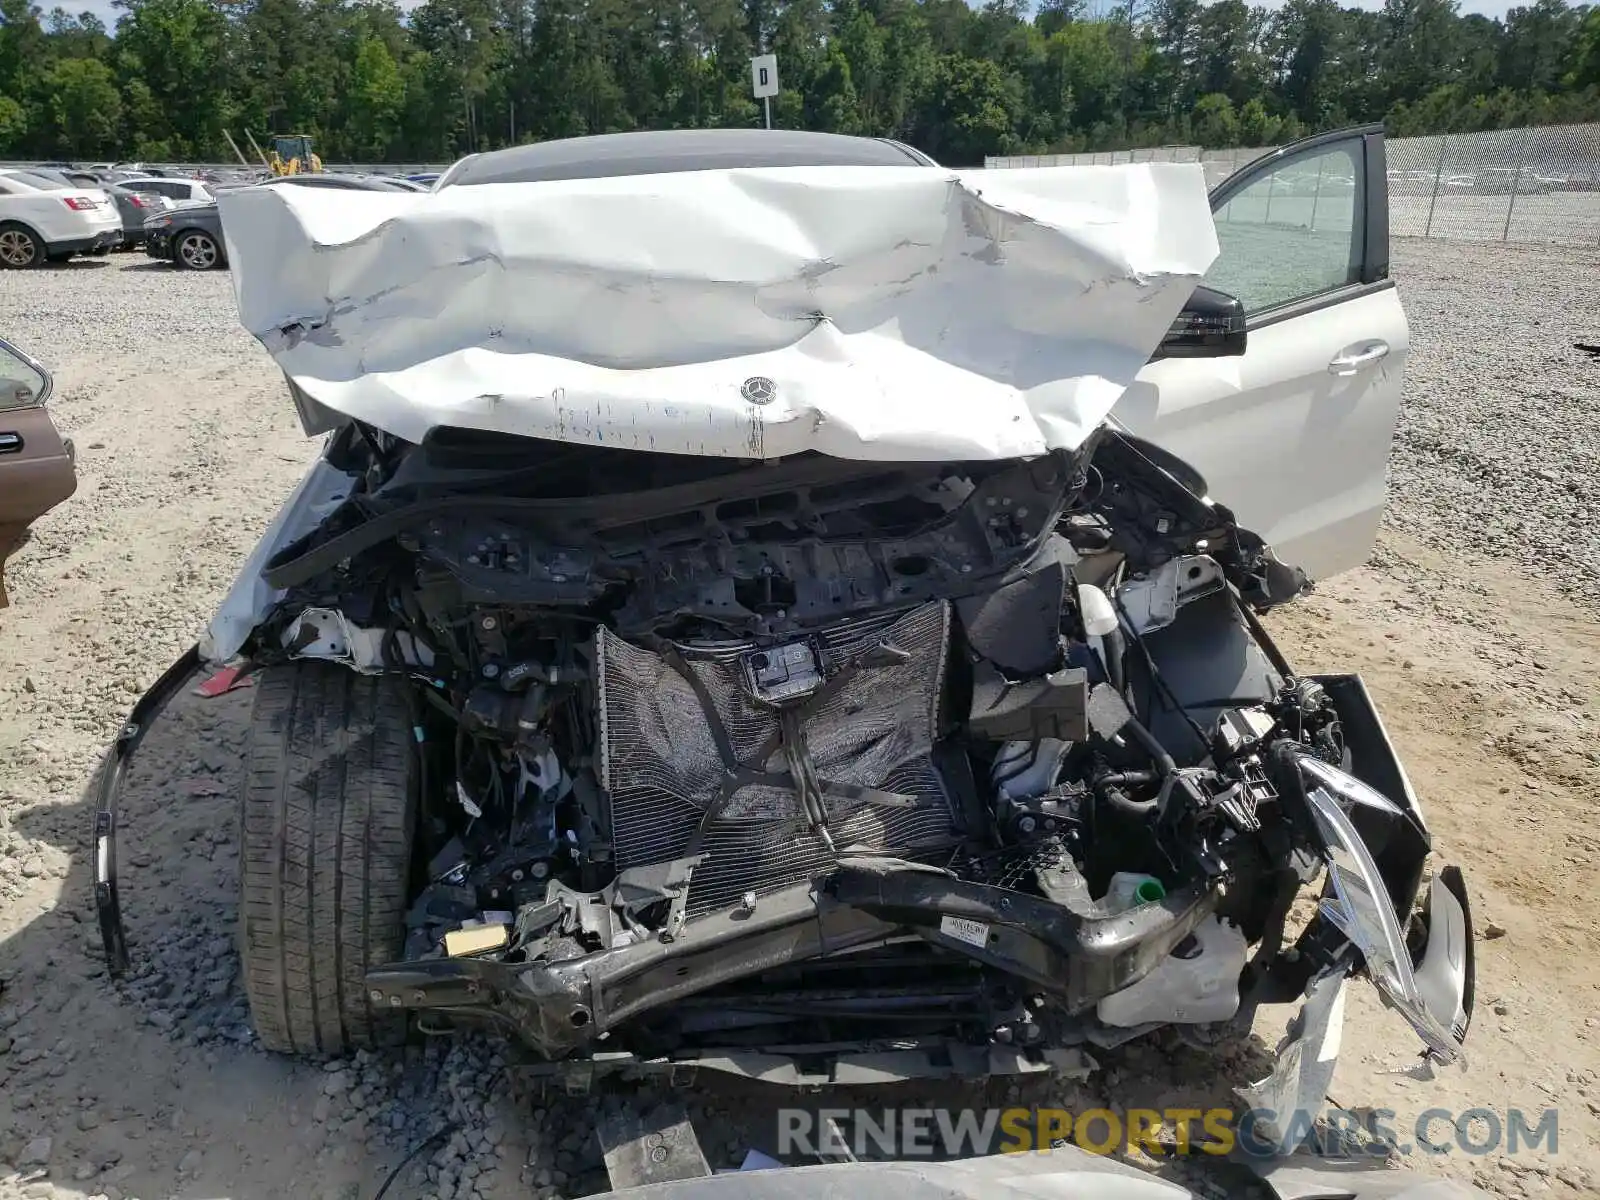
x,y
937,767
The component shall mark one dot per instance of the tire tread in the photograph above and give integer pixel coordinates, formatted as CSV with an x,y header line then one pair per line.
x,y
327,814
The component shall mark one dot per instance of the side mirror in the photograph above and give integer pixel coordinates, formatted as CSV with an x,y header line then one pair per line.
x,y
1211,325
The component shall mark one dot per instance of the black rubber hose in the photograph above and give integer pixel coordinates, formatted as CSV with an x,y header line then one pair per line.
x,y
1264,639
1166,768
1123,778
1164,764
438,1139
1118,799
1115,647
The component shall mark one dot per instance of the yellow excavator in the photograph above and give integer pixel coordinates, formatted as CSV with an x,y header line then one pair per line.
x,y
291,153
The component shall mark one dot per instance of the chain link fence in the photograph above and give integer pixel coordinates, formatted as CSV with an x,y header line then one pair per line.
x,y
1504,185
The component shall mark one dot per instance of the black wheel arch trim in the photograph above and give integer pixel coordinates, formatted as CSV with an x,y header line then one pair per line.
x,y
107,904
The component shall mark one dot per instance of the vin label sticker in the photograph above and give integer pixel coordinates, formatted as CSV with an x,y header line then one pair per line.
x,y
974,933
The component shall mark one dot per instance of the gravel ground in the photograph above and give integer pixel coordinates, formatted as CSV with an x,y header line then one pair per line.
x,y
1568,217
156,1088
1498,449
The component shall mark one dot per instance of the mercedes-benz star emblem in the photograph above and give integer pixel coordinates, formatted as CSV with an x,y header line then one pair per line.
x,y
758,389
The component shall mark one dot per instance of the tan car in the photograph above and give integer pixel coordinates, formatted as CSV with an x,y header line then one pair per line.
x,y
37,470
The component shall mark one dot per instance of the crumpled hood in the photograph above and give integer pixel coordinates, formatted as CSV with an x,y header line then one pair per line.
x,y
864,312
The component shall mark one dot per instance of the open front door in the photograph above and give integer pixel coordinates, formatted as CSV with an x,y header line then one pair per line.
x,y
36,467
1294,435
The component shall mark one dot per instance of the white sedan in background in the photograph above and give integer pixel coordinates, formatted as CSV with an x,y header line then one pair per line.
x,y
39,223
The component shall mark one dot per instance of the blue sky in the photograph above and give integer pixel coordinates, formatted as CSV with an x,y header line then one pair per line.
x,y
1491,8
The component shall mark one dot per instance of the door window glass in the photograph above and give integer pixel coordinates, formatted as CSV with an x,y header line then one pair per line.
x,y
21,384
1294,231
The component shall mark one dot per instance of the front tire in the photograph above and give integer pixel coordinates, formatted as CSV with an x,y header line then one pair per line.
x,y
20,248
328,814
197,251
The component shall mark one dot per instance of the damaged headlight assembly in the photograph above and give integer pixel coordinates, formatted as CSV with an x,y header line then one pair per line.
x,y
1433,994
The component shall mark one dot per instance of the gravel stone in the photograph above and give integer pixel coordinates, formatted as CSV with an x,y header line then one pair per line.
x,y
36,1152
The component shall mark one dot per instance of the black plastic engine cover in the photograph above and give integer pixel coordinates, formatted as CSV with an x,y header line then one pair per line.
x,y
1018,626
1055,705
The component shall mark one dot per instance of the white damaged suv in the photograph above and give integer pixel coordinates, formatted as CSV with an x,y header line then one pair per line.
x,y
762,608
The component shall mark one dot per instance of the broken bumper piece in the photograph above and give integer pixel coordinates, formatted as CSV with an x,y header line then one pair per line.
x,y
559,1007
1432,988
818,1066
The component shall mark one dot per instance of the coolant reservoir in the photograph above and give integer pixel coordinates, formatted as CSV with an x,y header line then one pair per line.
x,y
1099,624
1129,889
1193,990
1094,606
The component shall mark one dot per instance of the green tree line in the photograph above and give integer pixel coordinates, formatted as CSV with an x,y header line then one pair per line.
x,y
373,83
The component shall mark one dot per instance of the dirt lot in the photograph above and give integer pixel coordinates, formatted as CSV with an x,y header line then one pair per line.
x,y
1484,668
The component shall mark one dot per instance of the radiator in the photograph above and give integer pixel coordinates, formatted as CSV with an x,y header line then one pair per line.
x,y
660,763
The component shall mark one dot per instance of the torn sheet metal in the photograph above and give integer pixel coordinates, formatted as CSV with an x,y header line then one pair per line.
x,y
1286,1102
321,490
328,634
864,312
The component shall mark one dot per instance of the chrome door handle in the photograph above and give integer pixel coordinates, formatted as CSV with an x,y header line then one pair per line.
x,y
1352,358
10,443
